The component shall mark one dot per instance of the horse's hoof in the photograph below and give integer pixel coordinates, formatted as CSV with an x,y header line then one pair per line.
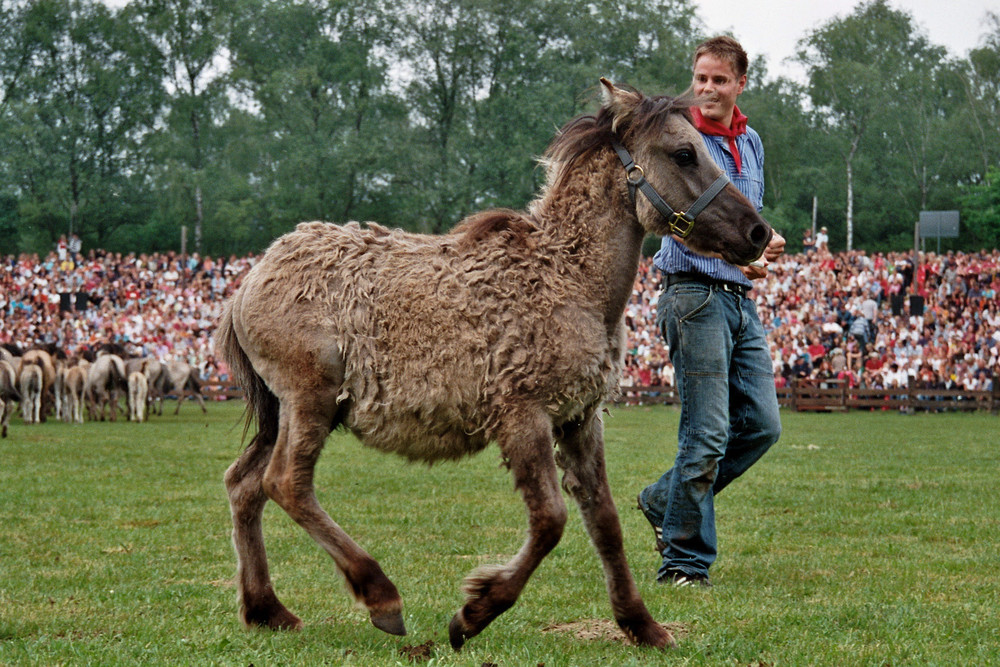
x,y
456,632
391,622
663,639
649,634
273,616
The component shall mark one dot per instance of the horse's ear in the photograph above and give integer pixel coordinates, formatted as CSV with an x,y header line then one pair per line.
x,y
621,103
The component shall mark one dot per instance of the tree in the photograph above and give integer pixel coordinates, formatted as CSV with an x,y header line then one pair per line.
x,y
857,66
981,209
490,80
982,87
328,125
465,55
188,38
76,120
16,49
775,110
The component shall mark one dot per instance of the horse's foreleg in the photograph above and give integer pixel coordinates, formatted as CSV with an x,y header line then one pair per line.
x,y
288,481
491,590
581,455
259,606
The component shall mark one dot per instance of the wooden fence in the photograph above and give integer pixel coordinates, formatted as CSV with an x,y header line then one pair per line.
x,y
835,395
830,395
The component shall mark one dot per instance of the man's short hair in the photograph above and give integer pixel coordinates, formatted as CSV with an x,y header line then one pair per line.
x,y
726,48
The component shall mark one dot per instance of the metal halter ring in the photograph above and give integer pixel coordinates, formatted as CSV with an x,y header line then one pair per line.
x,y
680,223
635,181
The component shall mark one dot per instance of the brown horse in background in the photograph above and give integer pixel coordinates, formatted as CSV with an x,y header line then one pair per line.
x,y
508,330
9,393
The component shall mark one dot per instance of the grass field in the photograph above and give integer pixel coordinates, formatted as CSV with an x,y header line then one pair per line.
x,y
861,539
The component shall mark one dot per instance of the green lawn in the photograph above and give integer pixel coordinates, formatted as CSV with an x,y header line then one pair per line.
x,y
860,539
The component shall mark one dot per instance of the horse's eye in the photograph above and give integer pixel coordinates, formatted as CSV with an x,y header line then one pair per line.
x,y
684,157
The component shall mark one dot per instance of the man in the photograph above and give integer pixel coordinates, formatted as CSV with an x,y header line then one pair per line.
x,y
822,239
724,377
75,246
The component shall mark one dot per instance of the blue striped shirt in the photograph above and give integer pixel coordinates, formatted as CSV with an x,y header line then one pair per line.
x,y
673,256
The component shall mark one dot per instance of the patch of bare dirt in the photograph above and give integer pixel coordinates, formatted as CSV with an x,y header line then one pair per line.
x,y
420,653
603,629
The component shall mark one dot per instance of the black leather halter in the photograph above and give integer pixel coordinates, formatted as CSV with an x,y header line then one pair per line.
x,y
680,222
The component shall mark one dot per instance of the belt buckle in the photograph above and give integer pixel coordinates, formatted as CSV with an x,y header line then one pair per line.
x,y
732,289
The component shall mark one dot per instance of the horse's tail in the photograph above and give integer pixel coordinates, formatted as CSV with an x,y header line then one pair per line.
x,y
8,382
118,375
262,405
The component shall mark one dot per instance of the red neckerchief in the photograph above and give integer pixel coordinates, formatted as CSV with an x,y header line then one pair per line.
x,y
714,127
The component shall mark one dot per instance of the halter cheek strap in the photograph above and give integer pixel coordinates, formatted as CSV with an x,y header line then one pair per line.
x,y
680,222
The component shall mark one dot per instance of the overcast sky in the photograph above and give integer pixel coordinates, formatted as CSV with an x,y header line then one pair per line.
x,y
772,27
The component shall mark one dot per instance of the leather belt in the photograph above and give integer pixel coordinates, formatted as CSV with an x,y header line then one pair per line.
x,y
677,278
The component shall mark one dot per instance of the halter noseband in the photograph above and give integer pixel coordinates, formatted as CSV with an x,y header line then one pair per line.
x,y
680,222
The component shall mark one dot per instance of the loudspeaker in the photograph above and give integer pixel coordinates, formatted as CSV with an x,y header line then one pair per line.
x,y
916,304
81,301
896,302
65,301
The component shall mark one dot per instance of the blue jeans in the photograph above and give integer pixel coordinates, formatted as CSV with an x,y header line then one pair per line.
x,y
729,414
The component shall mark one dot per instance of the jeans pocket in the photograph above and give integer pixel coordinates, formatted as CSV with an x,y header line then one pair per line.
x,y
689,302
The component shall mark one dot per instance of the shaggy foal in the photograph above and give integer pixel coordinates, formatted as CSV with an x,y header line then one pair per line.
x,y
507,330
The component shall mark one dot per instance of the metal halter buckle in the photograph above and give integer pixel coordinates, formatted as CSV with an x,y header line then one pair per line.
x,y
680,223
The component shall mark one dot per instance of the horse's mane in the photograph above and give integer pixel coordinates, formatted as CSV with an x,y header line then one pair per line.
x,y
13,349
585,134
577,139
510,224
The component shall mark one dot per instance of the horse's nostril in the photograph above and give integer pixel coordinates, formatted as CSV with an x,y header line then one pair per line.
x,y
760,234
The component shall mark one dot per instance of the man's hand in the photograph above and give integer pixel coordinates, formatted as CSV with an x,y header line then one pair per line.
x,y
773,251
775,248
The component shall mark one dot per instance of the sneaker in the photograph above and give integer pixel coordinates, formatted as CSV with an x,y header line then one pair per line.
x,y
657,528
681,579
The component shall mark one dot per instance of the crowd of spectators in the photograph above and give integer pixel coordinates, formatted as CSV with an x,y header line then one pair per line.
x,y
872,320
157,305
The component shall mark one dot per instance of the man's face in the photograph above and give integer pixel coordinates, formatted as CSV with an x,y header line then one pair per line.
x,y
715,79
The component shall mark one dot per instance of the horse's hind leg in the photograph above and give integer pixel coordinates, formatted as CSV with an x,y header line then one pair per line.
x,y
259,606
491,590
581,455
305,423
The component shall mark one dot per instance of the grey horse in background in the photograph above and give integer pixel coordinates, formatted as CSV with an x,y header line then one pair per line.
x,y
178,378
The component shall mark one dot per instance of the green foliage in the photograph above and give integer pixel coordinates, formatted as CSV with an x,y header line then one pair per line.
x,y
887,98
980,212
237,120
854,541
